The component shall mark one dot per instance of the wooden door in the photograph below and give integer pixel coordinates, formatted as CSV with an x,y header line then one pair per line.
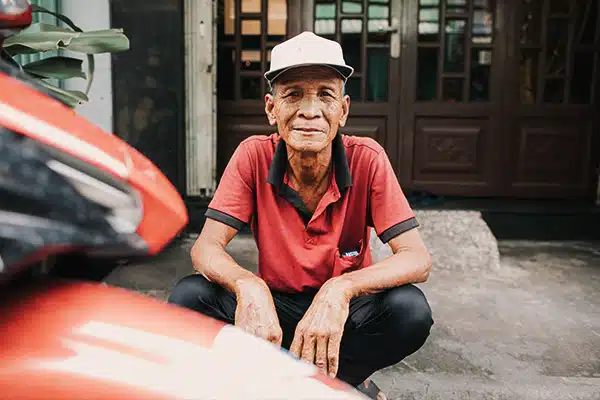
x,y
247,31
451,113
551,125
498,98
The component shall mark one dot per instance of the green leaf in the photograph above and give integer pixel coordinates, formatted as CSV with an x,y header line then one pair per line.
x,y
39,38
56,68
71,97
91,62
95,42
42,37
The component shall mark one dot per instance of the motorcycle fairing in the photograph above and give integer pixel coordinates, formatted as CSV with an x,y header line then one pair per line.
x,y
49,200
30,112
81,340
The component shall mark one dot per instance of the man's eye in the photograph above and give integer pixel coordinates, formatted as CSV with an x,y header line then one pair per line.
x,y
326,94
290,94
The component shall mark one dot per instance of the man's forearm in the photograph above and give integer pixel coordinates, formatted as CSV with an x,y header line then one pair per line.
x,y
212,261
399,269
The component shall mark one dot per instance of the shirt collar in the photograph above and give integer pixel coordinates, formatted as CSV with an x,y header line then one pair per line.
x,y
343,177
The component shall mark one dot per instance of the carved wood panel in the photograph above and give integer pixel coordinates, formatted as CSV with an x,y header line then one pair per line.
x,y
451,149
553,152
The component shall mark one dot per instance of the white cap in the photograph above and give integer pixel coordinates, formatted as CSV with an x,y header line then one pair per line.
x,y
307,49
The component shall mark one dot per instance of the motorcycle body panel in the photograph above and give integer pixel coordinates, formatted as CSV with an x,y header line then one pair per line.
x,y
77,143
82,340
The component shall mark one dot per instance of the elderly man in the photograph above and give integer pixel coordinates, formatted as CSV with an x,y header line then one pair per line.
x,y
310,195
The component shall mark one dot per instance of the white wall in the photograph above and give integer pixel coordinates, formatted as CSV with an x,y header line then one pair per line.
x,y
92,15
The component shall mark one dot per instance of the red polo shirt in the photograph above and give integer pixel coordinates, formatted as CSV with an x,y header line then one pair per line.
x,y
300,250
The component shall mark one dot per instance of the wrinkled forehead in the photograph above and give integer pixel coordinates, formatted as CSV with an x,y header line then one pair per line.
x,y
310,76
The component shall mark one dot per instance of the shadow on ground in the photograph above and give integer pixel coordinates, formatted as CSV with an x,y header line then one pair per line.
x,y
526,329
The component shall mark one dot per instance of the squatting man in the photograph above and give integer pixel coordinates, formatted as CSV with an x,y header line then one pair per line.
x,y
311,195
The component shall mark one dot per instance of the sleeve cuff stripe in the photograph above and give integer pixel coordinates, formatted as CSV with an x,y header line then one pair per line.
x,y
397,229
225,218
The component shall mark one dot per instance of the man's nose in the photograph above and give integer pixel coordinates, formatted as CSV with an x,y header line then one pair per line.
x,y
310,107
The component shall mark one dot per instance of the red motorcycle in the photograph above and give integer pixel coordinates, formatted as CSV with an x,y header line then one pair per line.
x,y
67,187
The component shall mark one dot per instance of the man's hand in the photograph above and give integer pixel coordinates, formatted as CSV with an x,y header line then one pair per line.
x,y
319,333
255,312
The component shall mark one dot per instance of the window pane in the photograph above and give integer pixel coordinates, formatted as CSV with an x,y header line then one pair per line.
x,y
227,18
528,73
250,60
277,19
585,29
452,89
427,73
531,21
456,6
250,87
481,61
581,79
325,19
483,25
226,73
325,11
351,42
454,54
377,68
251,6
558,31
250,27
378,23
554,91
352,7
429,21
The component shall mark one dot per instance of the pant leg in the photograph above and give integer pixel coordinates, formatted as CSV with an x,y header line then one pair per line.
x,y
382,330
199,294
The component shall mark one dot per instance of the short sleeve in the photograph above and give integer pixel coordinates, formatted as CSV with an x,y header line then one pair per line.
x,y
233,201
390,211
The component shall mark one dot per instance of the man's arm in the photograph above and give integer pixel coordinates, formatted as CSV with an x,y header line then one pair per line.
x,y
410,263
210,258
255,310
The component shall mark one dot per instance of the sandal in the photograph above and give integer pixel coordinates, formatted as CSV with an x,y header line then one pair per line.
x,y
371,390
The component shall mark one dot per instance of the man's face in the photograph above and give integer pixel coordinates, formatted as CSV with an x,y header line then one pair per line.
x,y
308,106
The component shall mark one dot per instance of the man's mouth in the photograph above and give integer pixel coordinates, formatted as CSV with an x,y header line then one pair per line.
x,y
307,129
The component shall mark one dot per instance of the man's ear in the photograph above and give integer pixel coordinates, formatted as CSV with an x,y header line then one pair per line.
x,y
345,110
270,109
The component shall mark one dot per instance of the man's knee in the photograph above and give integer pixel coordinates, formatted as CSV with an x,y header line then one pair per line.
x,y
191,290
410,312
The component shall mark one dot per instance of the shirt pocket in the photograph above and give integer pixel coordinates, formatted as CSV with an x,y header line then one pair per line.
x,y
344,263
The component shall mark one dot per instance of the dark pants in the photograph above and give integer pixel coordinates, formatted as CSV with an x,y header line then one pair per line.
x,y
381,330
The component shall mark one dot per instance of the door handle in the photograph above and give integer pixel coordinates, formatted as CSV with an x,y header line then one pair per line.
x,y
394,29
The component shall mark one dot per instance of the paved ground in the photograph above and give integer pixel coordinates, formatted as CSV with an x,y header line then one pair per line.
x,y
526,329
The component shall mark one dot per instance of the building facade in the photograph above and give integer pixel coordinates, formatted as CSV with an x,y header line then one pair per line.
x,y
470,98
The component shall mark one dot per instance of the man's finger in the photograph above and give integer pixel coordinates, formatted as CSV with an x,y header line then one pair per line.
x,y
321,355
333,354
296,346
276,338
308,349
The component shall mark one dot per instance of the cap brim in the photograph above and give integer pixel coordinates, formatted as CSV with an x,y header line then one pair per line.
x,y
345,71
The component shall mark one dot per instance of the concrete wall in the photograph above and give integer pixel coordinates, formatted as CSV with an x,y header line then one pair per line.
x,y
93,15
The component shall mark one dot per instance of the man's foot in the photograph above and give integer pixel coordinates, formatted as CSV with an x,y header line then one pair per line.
x,y
371,390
